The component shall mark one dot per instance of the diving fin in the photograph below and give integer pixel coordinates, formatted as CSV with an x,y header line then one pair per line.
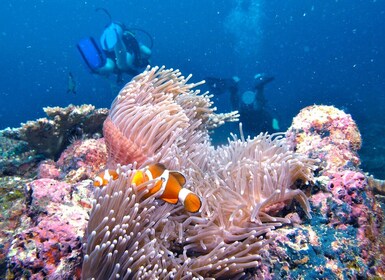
x,y
92,55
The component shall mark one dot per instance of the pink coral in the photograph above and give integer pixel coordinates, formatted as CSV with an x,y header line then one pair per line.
x,y
352,203
326,133
48,190
50,250
347,188
48,246
48,169
83,159
344,185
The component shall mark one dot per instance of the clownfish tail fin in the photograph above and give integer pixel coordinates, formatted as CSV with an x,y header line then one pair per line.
x,y
191,201
98,181
104,177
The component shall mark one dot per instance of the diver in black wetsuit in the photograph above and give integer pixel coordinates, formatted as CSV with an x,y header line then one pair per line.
x,y
254,116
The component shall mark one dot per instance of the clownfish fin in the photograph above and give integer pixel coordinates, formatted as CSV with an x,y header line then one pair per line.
x,y
191,201
156,169
170,200
104,177
179,177
114,174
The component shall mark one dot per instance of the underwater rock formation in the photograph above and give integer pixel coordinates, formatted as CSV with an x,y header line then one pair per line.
x,y
17,159
11,208
83,159
43,221
50,136
47,243
328,134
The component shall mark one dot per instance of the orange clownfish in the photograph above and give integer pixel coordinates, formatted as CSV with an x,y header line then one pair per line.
x,y
170,185
104,177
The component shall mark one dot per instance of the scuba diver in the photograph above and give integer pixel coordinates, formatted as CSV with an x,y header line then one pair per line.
x,y
118,52
251,104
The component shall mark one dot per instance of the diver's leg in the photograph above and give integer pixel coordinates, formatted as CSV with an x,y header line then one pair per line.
x,y
107,68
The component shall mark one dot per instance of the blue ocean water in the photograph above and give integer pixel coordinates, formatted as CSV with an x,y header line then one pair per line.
x,y
320,52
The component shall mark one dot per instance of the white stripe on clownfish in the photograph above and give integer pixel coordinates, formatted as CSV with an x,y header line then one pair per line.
x,y
164,177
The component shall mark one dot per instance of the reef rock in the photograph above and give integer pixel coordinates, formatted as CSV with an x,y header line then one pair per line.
x,y
17,159
43,221
83,159
50,136
12,206
48,241
328,134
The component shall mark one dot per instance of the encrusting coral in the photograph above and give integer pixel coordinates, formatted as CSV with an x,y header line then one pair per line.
x,y
326,133
158,117
50,136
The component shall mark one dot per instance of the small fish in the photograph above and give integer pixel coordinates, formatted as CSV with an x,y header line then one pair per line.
x,y
169,186
104,177
71,84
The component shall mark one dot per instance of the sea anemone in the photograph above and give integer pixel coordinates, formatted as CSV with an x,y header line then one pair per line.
x,y
155,110
162,119
121,233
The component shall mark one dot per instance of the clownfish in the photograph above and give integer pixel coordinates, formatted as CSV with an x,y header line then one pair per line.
x,y
104,177
169,186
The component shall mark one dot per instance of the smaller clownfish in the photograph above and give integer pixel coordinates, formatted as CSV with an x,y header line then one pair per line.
x,y
104,177
170,185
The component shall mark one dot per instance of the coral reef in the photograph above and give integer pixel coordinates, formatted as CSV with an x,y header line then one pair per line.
x,y
377,185
48,169
254,221
346,207
43,221
11,208
16,158
50,136
345,238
